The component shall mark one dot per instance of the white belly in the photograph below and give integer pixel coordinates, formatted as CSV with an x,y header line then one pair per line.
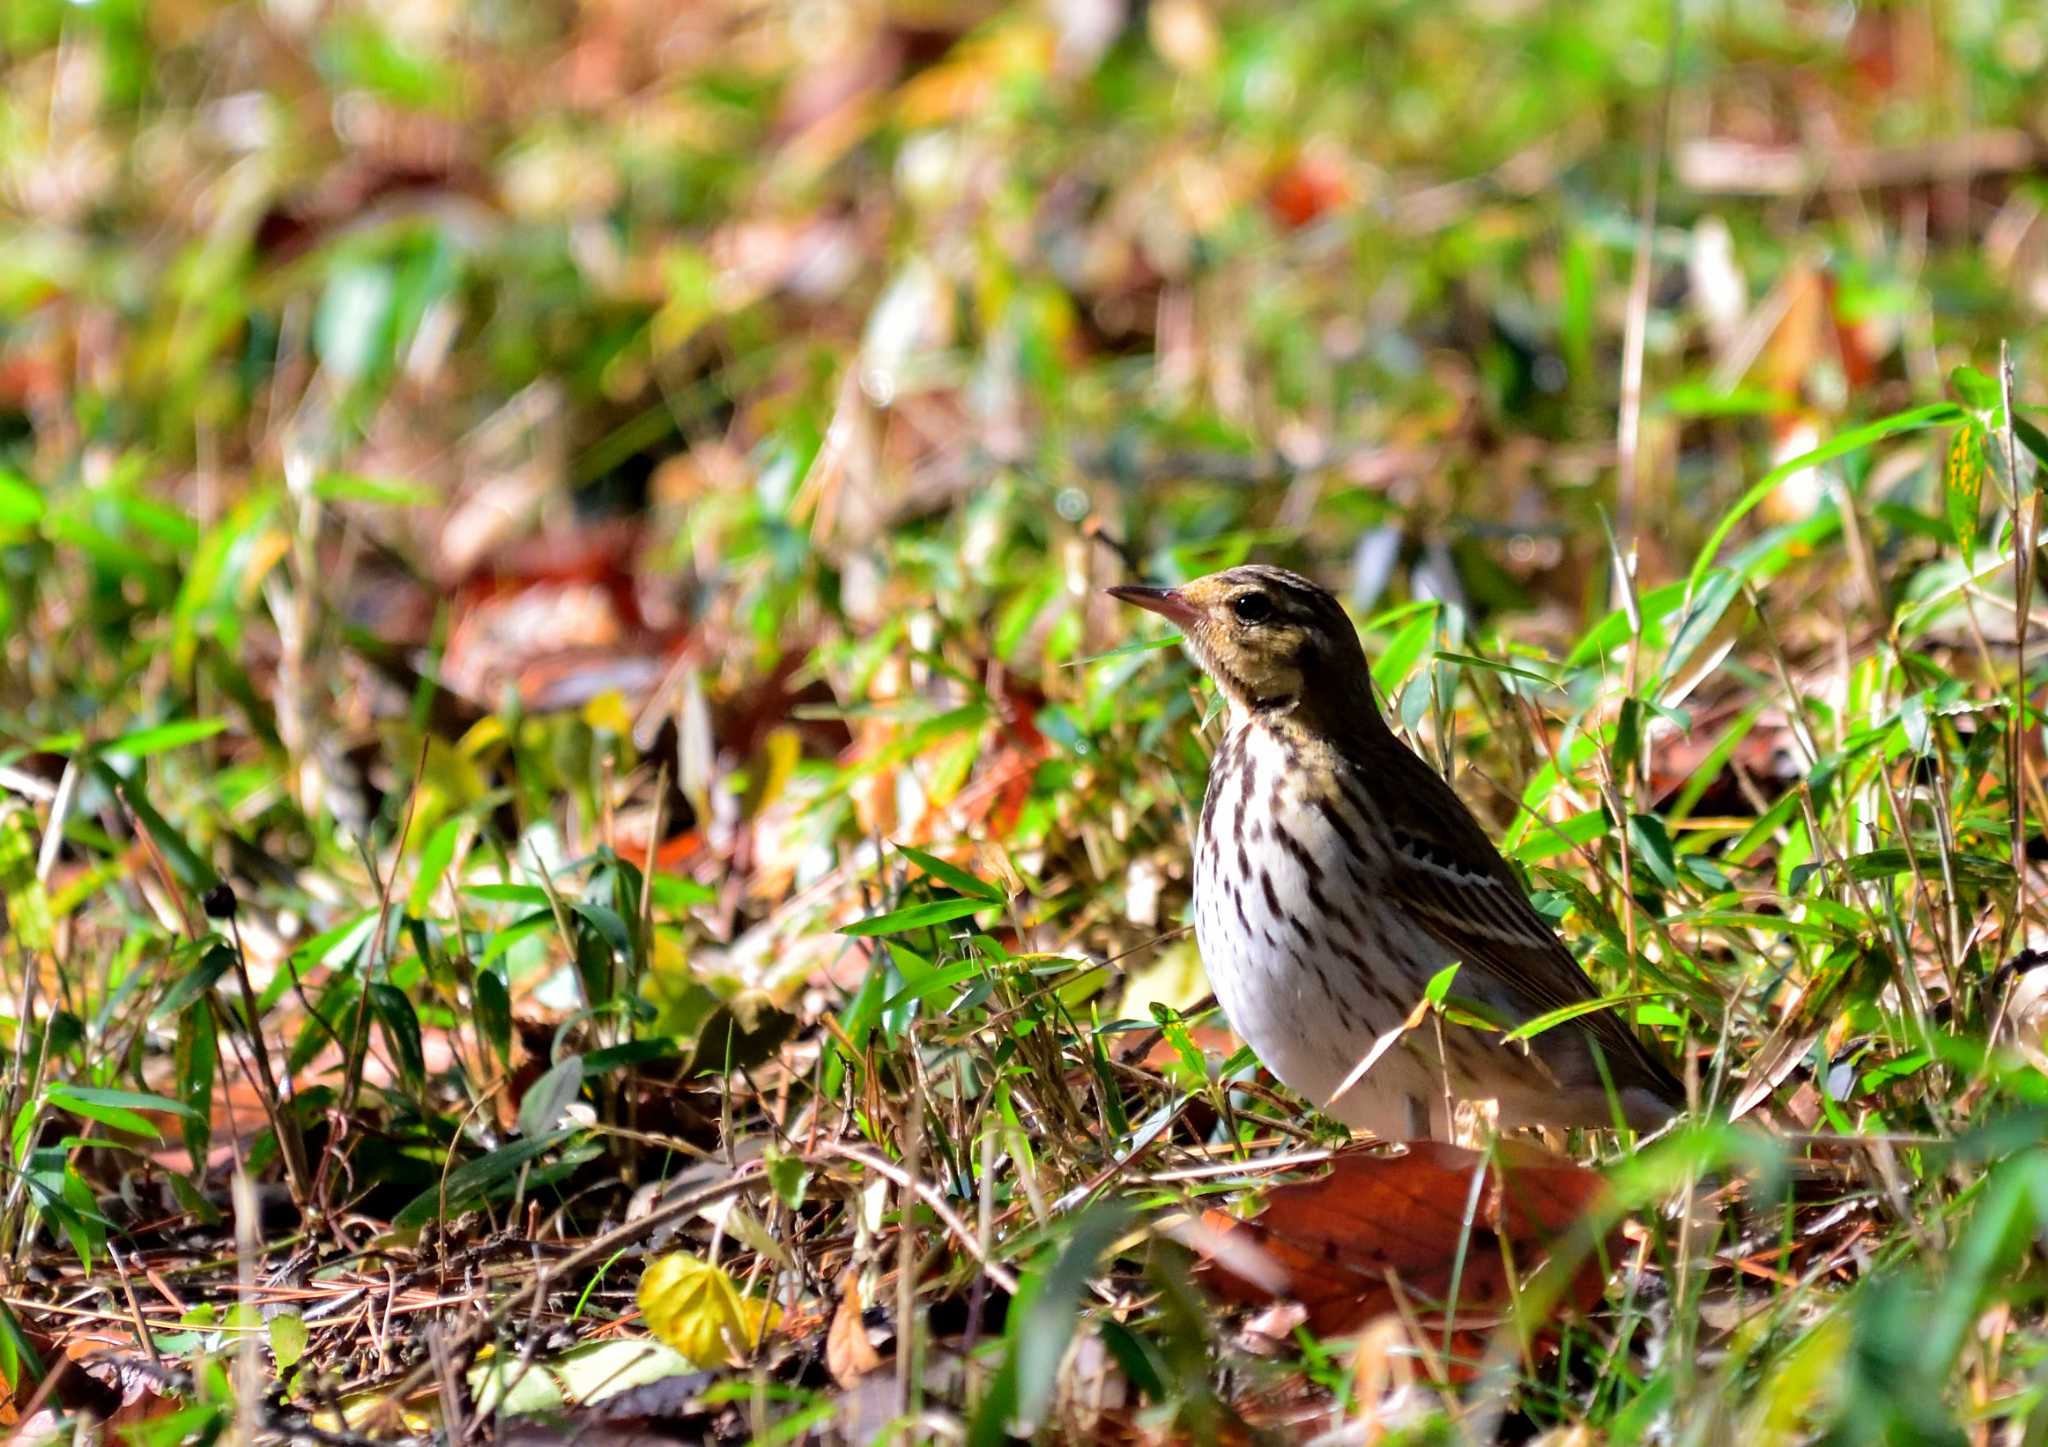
x,y
1298,955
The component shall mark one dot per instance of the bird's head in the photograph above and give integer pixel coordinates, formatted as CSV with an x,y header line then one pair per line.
x,y
1273,641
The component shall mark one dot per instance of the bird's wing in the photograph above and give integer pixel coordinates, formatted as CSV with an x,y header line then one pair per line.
x,y
1452,882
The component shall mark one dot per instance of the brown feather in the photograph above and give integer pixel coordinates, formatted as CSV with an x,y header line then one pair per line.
x,y
1527,957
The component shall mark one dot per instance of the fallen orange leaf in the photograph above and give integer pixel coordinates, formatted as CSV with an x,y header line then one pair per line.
x,y
849,1355
1381,1232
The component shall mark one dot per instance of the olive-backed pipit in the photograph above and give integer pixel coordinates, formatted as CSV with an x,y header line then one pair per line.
x,y
1336,873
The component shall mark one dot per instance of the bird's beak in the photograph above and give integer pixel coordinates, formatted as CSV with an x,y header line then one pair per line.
x,y
1168,603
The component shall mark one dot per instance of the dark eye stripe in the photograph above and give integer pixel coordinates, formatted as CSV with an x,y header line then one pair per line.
x,y
1295,598
1303,595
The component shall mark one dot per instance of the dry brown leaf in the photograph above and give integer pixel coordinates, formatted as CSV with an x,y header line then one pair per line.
x,y
849,1355
1801,336
1381,1366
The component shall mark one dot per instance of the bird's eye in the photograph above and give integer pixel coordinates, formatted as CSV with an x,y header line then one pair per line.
x,y
1252,607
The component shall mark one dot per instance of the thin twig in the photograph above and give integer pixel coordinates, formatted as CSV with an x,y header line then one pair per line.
x,y
2026,526
948,1217
290,1143
1628,427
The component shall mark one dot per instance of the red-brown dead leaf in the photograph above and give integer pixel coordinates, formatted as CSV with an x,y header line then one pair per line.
x,y
1309,187
1377,1225
560,618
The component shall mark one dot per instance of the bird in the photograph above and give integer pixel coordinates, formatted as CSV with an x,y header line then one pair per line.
x,y
1336,874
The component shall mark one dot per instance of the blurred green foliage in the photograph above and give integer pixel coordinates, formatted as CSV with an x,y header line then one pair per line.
x,y
590,518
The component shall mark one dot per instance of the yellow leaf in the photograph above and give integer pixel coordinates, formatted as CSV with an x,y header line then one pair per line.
x,y
485,733
782,751
968,80
693,1306
378,1412
608,714
671,960
1962,479
690,285
272,546
23,903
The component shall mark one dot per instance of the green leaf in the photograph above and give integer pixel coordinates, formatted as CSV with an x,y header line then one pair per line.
x,y
185,864
381,491
631,1052
2031,438
1125,650
540,1109
288,1338
493,1012
1404,650
116,1108
24,904
202,1422
164,737
21,502
197,1058
1040,1343
336,1008
1976,389
541,921
337,948
1962,483
1652,844
677,895
952,874
507,1387
1935,414
788,1178
857,1022
1546,838
530,895
401,1025
469,1184
195,984
169,525
1618,628
597,955
1701,616
915,916
924,986
16,1351
1702,399
111,1096
1915,723
1628,735
435,858
355,324
1977,869
1439,987
1494,665
227,567
1564,1014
